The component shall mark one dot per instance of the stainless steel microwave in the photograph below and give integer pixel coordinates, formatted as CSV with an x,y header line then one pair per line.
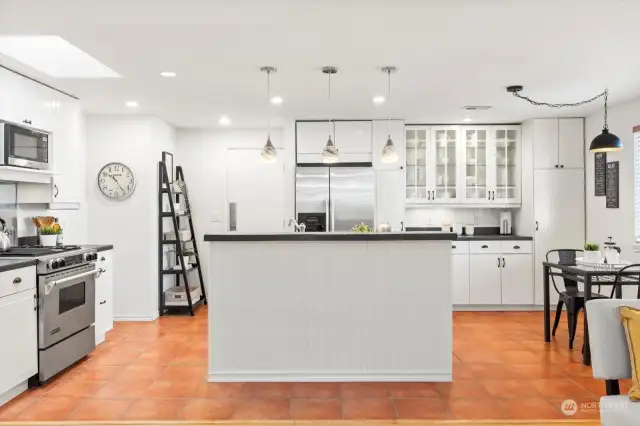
x,y
23,147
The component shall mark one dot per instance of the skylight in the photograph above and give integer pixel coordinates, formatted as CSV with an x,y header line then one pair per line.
x,y
54,56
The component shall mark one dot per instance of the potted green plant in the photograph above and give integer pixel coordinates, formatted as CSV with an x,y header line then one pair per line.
x,y
186,255
592,252
49,235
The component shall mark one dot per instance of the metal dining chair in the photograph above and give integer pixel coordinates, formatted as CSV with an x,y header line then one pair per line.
x,y
572,297
617,282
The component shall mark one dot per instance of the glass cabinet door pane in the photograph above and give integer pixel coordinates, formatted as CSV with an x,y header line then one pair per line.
x,y
506,151
476,163
445,143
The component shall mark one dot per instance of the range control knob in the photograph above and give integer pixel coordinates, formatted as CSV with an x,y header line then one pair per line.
x,y
53,264
62,263
94,256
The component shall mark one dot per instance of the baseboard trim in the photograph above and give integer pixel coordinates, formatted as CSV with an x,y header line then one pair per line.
x,y
13,392
497,308
299,376
145,318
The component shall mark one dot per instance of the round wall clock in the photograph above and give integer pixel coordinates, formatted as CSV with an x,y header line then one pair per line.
x,y
116,181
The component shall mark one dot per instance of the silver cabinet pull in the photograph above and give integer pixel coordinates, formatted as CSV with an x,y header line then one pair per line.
x,y
233,211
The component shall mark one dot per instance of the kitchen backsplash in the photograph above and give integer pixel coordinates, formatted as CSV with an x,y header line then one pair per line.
x,y
438,217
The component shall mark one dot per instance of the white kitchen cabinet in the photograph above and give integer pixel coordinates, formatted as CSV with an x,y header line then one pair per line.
x,y
485,280
444,167
418,141
476,161
104,295
24,101
353,137
460,279
571,143
559,217
504,175
390,206
517,279
558,143
311,136
19,334
381,129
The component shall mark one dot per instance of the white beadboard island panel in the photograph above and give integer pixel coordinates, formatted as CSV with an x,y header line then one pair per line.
x,y
352,310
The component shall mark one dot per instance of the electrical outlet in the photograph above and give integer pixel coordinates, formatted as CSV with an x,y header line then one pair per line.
x,y
216,218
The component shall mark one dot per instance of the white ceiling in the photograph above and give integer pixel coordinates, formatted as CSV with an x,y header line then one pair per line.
x,y
449,54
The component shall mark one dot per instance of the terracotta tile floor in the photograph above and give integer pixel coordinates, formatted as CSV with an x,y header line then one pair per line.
x,y
156,371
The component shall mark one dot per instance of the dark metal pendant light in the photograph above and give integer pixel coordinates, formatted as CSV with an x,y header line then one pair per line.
x,y
330,152
604,142
389,153
268,152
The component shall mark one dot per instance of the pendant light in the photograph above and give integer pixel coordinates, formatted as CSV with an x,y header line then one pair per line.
x,y
330,152
268,152
389,153
604,142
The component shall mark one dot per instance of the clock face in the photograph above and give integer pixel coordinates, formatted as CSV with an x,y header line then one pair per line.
x,y
116,181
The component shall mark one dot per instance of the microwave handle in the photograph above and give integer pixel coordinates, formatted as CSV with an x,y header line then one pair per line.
x,y
49,286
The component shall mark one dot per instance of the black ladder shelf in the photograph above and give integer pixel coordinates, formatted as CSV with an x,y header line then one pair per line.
x,y
165,187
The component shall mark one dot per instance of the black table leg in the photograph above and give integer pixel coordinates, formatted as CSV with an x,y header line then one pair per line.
x,y
586,353
547,308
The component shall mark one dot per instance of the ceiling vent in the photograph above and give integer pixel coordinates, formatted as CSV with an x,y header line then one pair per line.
x,y
476,107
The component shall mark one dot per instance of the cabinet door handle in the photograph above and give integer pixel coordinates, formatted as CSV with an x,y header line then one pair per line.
x,y
454,247
562,166
503,262
434,194
57,191
17,280
489,195
102,259
485,246
35,302
516,247
556,166
103,302
493,195
429,195
498,262
537,225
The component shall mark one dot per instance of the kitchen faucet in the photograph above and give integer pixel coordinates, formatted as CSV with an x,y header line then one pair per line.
x,y
298,227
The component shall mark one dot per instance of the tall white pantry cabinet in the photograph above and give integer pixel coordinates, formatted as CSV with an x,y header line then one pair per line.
x,y
553,190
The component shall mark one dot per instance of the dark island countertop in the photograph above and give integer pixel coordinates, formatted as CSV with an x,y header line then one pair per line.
x,y
334,236
11,264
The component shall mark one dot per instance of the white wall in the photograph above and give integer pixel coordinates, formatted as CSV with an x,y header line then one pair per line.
x,y
616,223
203,155
131,224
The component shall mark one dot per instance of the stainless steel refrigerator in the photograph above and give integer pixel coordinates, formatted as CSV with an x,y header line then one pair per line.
x,y
340,195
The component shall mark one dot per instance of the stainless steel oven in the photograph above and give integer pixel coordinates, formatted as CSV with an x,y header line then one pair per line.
x,y
23,147
66,314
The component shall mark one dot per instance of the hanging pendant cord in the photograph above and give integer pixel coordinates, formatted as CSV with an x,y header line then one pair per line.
x,y
329,104
604,94
268,97
389,100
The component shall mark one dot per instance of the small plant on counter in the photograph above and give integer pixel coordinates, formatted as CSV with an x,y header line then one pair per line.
x,y
362,227
51,230
591,247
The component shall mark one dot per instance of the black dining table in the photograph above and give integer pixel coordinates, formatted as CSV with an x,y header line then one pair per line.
x,y
590,276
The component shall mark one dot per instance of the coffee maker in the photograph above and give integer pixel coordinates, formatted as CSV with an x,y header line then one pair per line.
x,y
506,227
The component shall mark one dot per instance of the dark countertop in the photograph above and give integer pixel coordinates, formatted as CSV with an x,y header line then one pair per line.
x,y
98,247
11,264
494,237
334,236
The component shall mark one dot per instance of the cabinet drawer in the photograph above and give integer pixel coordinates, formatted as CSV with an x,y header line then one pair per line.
x,y
17,280
514,247
459,247
485,247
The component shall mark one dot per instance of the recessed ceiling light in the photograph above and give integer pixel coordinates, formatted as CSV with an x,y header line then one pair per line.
x,y
467,119
277,100
378,100
131,104
54,56
168,74
224,121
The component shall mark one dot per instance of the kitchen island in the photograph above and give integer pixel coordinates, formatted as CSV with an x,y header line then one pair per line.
x,y
330,307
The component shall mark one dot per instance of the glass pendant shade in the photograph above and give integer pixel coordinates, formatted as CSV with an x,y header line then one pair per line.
x,y
389,153
330,153
268,152
605,142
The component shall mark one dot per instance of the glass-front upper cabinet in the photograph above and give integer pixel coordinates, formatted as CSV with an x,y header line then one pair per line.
x,y
476,149
417,143
444,147
506,142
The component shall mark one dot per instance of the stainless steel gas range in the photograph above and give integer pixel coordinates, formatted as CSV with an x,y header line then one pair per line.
x,y
66,304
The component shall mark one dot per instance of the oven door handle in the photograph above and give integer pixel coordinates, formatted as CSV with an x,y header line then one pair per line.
x,y
49,286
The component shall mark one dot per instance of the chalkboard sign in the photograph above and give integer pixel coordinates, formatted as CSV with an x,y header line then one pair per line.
x,y
600,174
613,182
